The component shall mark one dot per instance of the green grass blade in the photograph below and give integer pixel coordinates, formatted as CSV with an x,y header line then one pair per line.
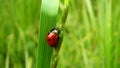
x,y
107,29
49,11
116,32
101,19
91,13
86,20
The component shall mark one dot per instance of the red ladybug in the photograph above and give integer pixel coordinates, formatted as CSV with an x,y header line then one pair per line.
x,y
52,37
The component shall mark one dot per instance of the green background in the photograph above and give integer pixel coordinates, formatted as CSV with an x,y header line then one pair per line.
x,y
91,34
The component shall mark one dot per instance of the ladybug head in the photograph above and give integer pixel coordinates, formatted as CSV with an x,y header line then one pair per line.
x,y
55,30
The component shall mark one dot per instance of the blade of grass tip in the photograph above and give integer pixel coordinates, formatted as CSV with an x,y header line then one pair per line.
x,y
108,34
48,20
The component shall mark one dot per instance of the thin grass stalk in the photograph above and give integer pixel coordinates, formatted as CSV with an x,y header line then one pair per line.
x,y
115,20
21,17
108,34
94,29
85,17
91,13
87,27
118,64
116,37
7,57
101,20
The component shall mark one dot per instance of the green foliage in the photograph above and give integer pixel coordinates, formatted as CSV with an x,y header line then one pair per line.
x,y
91,38
18,37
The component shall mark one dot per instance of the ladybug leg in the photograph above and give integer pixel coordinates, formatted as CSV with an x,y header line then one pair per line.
x,y
59,39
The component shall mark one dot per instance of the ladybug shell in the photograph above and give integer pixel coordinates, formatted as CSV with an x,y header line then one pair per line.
x,y
52,39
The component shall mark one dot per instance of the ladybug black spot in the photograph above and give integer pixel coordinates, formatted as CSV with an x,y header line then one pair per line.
x,y
48,39
53,38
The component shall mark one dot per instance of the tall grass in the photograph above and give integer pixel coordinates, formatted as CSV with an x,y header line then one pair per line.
x,y
98,27
17,36
91,38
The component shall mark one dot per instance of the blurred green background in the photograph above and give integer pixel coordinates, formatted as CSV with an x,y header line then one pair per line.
x,y
91,35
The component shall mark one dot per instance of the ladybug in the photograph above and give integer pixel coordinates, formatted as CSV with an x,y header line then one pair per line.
x,y
52,37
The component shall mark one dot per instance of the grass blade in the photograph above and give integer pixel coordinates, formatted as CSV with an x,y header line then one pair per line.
x,y
49,11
